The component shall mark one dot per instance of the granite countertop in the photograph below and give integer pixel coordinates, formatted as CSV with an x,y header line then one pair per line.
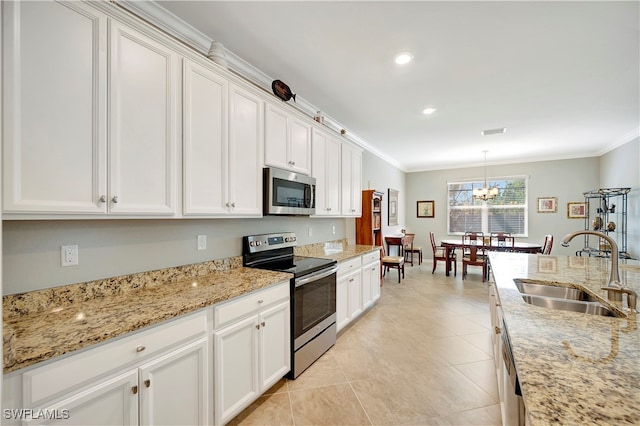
x,y
44,324
573,368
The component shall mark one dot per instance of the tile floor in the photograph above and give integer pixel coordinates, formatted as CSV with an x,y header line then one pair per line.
x,y
421,356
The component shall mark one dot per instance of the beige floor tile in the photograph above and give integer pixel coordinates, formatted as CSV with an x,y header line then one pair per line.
x,y
328,405
272,409
422,355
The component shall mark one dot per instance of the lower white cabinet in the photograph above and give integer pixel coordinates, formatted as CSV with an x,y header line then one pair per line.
x,y
155,376
357,287
251,348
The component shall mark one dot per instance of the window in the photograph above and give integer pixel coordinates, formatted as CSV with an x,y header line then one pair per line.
x,y
505,213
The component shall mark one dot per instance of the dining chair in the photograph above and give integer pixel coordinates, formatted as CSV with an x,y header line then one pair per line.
x,y
410,248
548,243
502,241
475,254
396,262
439,254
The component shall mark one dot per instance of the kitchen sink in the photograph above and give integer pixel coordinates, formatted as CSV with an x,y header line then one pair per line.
x,y
593,308
537,289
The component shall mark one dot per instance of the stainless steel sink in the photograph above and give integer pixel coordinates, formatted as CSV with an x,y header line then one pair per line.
x,y
593,308
537,289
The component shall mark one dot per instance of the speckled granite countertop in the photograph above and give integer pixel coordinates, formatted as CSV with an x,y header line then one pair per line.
x,y
573,368
47,323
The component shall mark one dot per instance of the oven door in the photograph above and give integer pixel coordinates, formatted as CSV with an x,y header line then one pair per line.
x,y
313,305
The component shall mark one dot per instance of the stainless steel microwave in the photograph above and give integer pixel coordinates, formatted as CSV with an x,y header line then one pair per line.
x,y
288,193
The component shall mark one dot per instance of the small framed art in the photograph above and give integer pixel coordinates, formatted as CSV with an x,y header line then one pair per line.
x,y
426,208
547,204
576,210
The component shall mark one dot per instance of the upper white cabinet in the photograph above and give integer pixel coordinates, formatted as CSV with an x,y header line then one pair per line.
x,y
222,146
58,114
246,144
144,79
326,168
351,180
287,140
54,105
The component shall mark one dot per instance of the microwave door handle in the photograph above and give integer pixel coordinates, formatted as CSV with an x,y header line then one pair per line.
x,y
313,277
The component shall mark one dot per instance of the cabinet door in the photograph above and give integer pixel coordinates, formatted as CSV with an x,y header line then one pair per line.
x,y
235,368
143,76
275,137
54,107
342,302
299,146
204,141
351,181
325,167
354,284
375,281
112,402
367,299
173,388
356,182
246,148
275,345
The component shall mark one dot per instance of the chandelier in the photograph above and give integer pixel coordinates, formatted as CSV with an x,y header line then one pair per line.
x,y
485,193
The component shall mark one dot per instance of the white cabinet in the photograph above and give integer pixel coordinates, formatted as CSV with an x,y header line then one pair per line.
x,y
287,140
348,291
370,279
143,81
222,174
351,180
155,376
54,107
326,168
252,348
90,111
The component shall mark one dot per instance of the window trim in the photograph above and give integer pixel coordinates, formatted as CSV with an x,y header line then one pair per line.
x,y
485,205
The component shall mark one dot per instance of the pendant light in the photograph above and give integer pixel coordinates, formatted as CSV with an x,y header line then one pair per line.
x,y
485,193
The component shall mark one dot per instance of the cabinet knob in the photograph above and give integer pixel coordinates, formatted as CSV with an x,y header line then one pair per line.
x,y
328,209
351,280
140,348
498,330
260,301
257,326
103,199
147,382
264,324
134,389
115,199
228,204
233,204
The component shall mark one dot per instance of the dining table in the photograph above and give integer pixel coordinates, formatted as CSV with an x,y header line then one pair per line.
x,y
518,247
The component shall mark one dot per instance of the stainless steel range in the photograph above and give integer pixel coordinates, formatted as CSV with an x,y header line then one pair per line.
x,y
313,294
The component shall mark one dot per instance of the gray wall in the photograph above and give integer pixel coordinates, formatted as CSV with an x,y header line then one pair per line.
x,y
621,168
31,249
564,179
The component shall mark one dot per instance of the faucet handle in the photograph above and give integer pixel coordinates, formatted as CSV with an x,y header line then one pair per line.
x,y
632,296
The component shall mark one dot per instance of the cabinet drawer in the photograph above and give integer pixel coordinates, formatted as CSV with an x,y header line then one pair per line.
x,y
370,257
42,384
349,265
239,307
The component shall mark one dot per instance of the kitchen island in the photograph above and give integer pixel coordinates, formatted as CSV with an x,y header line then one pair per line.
x,y
573,368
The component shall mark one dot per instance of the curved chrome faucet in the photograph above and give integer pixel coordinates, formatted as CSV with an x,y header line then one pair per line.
x,y
614,287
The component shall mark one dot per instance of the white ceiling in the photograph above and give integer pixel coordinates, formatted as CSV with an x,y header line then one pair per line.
x,y
562,77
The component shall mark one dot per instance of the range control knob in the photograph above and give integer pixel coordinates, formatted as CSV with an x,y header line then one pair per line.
x,y
258,243
252,243
293,238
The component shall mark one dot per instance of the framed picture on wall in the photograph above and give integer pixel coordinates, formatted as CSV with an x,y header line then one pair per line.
x,y
576,210
393,207
426,208
547,204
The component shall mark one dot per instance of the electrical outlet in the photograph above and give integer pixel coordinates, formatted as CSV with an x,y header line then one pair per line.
x,y
310,232
333,229
69,255
202,242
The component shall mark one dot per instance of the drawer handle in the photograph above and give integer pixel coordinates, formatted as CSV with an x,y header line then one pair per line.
x,y
134,389
147,383
140,348
260,300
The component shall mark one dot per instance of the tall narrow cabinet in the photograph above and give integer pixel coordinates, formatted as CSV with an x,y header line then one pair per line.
x,y
369,224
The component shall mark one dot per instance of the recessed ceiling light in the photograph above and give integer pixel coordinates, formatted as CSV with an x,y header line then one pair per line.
x,y
403,58
493,131
428,111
